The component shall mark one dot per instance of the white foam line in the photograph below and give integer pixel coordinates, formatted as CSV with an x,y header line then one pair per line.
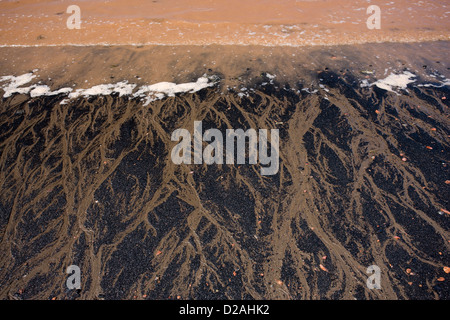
x,y
159,90
44,90
400,81
446,83
148,92
122,88
229,43
15,83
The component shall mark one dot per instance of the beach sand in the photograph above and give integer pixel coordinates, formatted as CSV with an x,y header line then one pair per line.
x,y
89,181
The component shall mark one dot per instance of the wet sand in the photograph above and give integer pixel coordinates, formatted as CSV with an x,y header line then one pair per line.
x,y
84,67
362,177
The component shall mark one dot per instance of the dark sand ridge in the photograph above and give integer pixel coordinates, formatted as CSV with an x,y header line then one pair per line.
x,y
91,183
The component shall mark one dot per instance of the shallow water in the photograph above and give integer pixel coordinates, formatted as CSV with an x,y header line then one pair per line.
x,y
201,22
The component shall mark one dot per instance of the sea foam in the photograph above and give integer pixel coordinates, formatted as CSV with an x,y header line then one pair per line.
x,y
148,93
